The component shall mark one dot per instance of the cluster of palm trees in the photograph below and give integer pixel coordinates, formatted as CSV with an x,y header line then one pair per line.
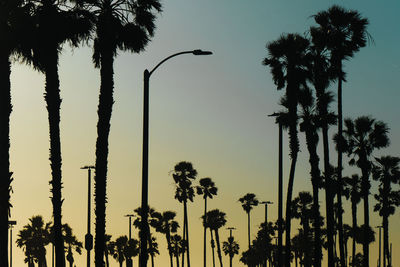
x,y
28,34
306,66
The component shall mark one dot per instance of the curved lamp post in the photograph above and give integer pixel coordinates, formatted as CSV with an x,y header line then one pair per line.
x,y
144,229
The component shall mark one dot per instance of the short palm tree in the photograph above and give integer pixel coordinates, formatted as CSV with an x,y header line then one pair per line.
x,y
121,244
231,248
124,25
109,249
183,175
352,190
289,60
361,137
177,246
164,223
208,189
248,201
34,237
214,220
71,242
387,172
344,32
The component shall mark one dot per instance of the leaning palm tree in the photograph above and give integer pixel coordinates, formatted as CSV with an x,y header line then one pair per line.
x,y
344,34
206,188
352,190
248,201
164,223
289,60
73,26
183,175
215,219
361,137
120,25
386,171
230,247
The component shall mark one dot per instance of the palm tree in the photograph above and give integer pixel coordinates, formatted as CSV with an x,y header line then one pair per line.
x,y
126,25
230,247
183,175
34,237
138,223
248,201
289,60
352,190
71,242
303,209
109,248
386,171
347,233
164,223
153,249
177,246
121,244
207,189
215,219
344,33
73,26
361,137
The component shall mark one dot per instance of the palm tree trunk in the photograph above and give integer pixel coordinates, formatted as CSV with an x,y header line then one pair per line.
x,y
205,231
288,209
184,238
212,248
103,129
53,102
365,192
248,227
307,249
168,237
386,254
5,175
354,219
230,260
106,256
312,142
177,260
339,173
218,247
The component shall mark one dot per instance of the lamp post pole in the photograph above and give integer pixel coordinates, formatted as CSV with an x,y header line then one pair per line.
x,y
379,258
129,259
230,230
88,236
266,203
11,226
144,229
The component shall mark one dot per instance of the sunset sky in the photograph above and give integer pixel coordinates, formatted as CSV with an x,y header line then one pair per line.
x,y
209,110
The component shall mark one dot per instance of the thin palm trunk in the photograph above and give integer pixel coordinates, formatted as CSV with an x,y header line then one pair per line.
x,y
339,171
354,219
103,129
288,209
184,238
205,231
307,250
386,254
5,175
365,192
212,247
168,237
218,247
53,102
248,227
187,235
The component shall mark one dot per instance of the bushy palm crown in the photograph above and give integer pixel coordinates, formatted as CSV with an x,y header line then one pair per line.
x,y
206,188
387,171
164,222
302,207
214,219
230,247
183,175
352,188
248,201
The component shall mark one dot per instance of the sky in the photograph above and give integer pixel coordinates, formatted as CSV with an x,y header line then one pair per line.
x,y
209,110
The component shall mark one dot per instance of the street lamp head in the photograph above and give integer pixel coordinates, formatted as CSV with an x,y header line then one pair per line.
x,y
130,215
267,202
12,222
199,52
87,167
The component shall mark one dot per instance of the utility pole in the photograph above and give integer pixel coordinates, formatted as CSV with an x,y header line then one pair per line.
x,y
88,236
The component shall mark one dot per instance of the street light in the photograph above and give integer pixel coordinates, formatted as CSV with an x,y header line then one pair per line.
x,y
88,236
280,190
266,210
144,229
230,230
11,225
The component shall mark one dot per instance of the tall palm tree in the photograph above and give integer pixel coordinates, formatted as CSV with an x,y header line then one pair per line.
x,y
124,25
345,33
34,237
164,223
230,247
289,60
386,171
215,219
352,190
248,201
361,137
206,188
73,26
183,175
303,209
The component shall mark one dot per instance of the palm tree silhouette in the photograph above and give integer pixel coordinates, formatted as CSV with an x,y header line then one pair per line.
x,y
71,243
344,34
289,60
214,220
138,223
73,25
153,248
183,175
207,189
164,223
177,246
33,238
230,247
386,171
125,25
121,244
361,137
302,209
352,190
109,248
248,201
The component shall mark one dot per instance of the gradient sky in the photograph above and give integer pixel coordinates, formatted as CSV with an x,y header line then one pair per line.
x,y
209,110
